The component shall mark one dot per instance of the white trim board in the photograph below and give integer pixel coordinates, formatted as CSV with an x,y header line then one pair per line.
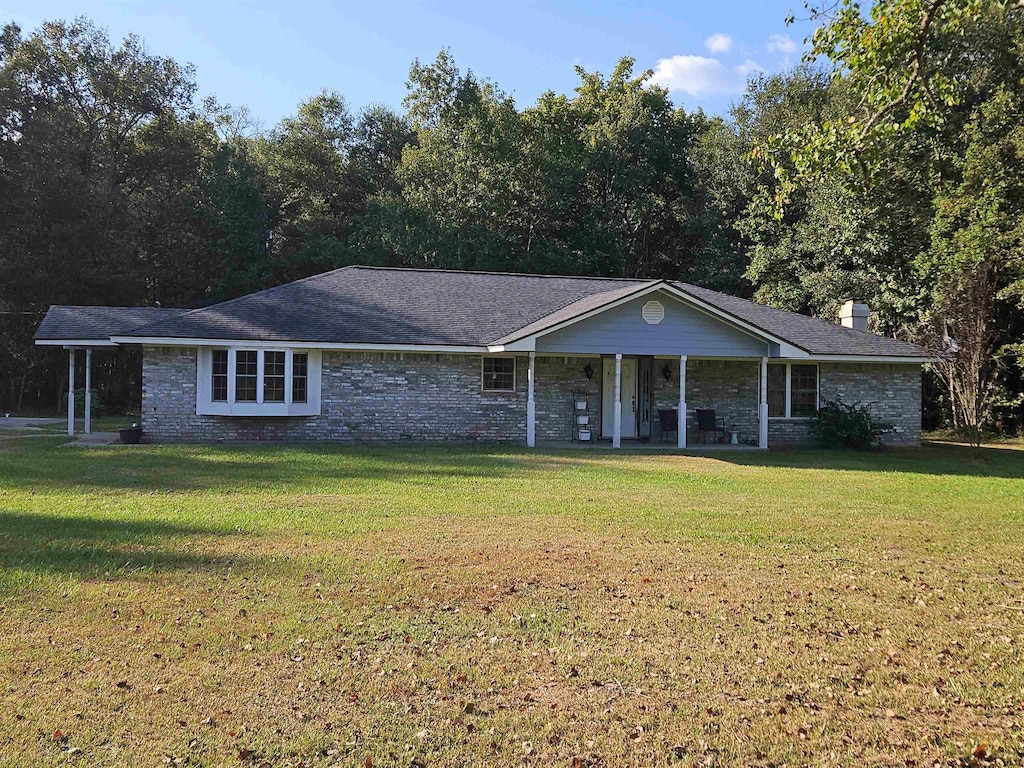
x,y
856,359
169,341
67,343
114,341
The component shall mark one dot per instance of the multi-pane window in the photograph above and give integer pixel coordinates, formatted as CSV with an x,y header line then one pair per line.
x,y
499,374
300,377
219,381
258,382
777,389
245,375
273,377
792,390
803,390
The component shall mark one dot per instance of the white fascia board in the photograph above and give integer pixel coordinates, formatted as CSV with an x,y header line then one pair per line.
x,y
529,344
860,359
168,341
75,343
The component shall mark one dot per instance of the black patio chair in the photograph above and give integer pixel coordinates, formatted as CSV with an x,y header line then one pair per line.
x,y
669,420
706,422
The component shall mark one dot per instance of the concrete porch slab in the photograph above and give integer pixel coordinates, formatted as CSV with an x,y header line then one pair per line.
x,y
93,439
642,446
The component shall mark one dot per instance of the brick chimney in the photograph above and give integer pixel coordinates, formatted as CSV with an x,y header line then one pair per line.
x,y
855,314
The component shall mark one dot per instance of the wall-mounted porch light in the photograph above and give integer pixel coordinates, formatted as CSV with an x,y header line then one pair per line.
x,y
666,371
589,371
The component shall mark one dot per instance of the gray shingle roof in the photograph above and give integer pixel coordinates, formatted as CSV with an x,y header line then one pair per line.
x,y
818,337
394,306
67,322
376,305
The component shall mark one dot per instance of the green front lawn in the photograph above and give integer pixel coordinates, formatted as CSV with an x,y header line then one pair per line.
x,y
469,605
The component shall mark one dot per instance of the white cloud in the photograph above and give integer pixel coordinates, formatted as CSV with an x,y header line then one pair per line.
x,y
781,44
699,75
747,68
718,43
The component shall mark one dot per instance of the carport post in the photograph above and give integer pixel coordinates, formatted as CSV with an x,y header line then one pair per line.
x,y
88,390
71,391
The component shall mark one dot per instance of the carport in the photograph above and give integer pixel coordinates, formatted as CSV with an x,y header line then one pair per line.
x,y
85,328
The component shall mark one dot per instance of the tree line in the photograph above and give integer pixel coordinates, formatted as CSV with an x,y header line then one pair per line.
x,y
892,172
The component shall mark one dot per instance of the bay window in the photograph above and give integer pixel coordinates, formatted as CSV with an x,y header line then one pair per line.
x,y
249,381
792,390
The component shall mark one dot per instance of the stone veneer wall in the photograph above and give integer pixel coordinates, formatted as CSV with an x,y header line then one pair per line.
x,y
375,396
387,396
892,393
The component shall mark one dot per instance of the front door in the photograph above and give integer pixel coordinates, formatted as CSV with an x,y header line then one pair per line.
x,y
629,398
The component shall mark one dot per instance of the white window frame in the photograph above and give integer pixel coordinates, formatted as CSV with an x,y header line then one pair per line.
x,y
206,406
789,392
514,371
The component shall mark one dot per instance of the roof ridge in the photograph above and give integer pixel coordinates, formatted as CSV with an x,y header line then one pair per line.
x,y
506,274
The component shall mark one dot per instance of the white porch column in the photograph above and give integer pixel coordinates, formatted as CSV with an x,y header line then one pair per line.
x,y
71,391
531,409
682,402
617,428
762,413
88,390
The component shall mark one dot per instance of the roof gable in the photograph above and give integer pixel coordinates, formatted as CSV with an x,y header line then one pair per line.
x,y
683,329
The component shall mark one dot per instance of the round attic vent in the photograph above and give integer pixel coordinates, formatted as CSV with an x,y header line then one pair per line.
x,y
653,312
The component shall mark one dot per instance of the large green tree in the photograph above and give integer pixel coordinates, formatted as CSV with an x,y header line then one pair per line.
x,y
925,80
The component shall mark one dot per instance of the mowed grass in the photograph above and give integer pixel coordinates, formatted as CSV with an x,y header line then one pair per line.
x,y
470,605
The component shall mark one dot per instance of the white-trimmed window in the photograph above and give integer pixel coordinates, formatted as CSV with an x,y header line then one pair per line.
x,y
219,376
248,381
300,377
792,390
498,374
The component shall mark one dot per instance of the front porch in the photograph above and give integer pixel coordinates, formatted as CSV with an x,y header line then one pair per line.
x,y
627,401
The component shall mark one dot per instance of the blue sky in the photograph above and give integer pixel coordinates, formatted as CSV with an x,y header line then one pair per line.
x,y
271,55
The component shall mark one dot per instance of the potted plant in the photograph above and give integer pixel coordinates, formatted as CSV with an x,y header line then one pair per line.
x,y
132,435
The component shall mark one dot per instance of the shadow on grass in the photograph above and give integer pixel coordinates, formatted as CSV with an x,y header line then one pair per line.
x,y
39,466
929,459
91,546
